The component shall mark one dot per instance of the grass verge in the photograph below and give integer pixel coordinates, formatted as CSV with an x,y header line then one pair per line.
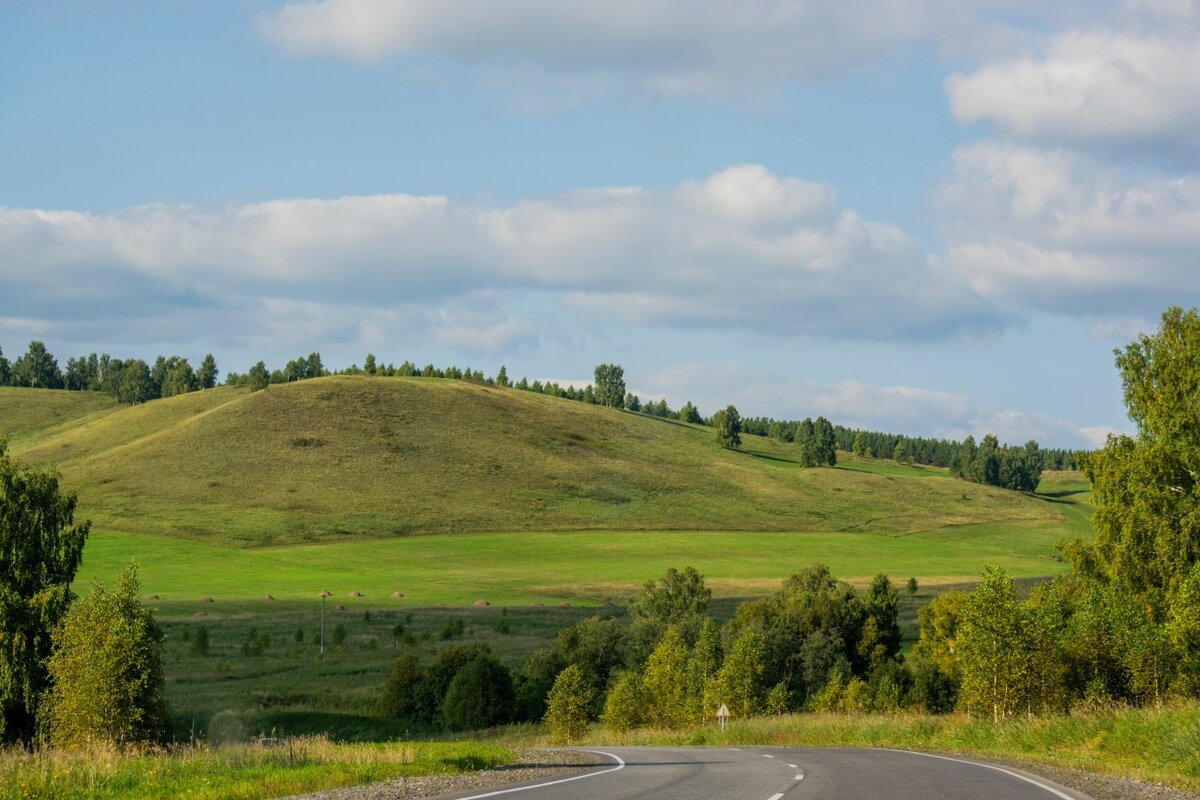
x,y
1158,745
233,772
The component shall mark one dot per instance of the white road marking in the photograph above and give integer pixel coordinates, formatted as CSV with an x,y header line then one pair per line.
x,y
793,766
775,796
799,777
618,759
764,755
1017,775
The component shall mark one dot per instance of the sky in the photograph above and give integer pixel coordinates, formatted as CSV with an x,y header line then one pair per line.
x,y
930,217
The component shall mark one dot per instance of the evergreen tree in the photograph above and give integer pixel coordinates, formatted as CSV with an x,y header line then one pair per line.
x,y
690,414
206,377
369,364
106,671
825,454
41,548
502,377
5,370
860,444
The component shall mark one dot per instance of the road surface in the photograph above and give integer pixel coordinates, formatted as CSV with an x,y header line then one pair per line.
x,y
764,773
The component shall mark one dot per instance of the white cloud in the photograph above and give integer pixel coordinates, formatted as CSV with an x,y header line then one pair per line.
x,y
1131,80
895,409
742,249
671,46
1051,230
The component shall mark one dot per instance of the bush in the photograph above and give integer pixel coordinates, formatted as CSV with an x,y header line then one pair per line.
x,y
568,706
199,643
480,696
399,694
106,671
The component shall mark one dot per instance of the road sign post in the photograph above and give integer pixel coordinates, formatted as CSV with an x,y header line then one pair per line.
x,y
722,715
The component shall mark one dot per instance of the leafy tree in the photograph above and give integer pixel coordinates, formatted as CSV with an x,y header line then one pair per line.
x,y
315,369
702,667
1183,628
900,454
41,548
480,695
992,647
400,693
727,421
664,688
206,376
258,377
632,402
881,603
568,706
106,671
738,684
859,448
679,598
624,705
535,681
599,647
37,368
987,461
610,385
502,377
779,699
938,639
5,370
369,364
690,414
1146,489
179,379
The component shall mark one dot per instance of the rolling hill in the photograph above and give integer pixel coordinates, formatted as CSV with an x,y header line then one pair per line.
x,y
357,457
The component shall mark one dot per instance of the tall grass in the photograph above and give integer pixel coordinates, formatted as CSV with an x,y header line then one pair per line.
x,y
232,772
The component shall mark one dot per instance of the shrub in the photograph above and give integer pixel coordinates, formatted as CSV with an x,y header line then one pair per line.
x,y
199,643
399,694
480,696
568,705
106,670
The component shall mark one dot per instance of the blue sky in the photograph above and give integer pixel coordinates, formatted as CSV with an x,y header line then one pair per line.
x,y
928,219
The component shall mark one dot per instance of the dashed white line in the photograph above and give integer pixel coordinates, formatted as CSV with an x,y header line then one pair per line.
x,y
794,766
777,796
799,777
764,755
618,759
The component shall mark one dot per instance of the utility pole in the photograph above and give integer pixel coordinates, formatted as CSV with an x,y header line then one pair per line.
x,y
324,594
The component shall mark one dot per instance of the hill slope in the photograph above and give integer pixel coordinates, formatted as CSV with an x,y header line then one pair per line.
x,y
356,456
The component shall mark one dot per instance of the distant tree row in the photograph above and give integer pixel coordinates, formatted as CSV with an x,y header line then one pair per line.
x,y
1018,468
128,380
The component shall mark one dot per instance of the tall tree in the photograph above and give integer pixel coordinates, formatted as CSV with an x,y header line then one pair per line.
x,y
610,385
689,413
502,377
106,671
728,423
825,446
258,377
1146,489
37,368
206,376
179,379
664,685
568,706
5,370
992,647
41,548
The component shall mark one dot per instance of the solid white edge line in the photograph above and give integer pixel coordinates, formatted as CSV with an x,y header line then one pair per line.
x,y
618,759
1025,778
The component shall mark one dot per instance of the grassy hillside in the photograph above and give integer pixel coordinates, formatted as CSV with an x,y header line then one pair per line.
x,y
371,457
26,414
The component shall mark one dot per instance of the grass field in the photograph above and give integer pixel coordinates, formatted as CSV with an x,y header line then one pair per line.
x,y
345,458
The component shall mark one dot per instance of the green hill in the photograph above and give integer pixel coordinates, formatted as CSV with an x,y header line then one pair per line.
x,y
345,457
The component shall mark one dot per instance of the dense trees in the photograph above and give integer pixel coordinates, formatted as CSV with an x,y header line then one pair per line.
x,y
41,547
1017,468
106,671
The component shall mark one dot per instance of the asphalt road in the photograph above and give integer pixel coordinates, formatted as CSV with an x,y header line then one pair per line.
x,y
764,773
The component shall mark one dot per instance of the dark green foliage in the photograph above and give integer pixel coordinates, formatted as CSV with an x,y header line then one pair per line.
x,y
400,696
106,671
479,696
5,370
199,643
599,647
40,550
678,599
690,414
339,635
452,629
257,642
534,683
206,376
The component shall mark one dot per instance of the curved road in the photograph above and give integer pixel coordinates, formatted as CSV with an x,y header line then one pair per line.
x,y
765,773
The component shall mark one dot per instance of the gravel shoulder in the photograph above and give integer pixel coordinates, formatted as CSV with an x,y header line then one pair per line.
x,y
531,765
1092,784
